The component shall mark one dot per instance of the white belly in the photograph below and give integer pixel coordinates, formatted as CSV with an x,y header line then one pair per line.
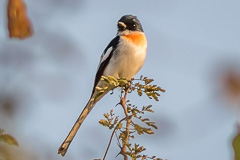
x,y
126,61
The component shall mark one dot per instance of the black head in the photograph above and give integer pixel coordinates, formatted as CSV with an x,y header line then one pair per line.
x,y
129,22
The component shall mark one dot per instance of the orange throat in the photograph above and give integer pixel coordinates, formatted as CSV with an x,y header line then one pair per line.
x,y
138,39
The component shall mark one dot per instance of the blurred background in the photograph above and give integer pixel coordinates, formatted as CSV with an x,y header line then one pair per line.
x,y
193,53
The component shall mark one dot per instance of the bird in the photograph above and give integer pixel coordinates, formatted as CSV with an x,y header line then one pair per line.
x,y
123,57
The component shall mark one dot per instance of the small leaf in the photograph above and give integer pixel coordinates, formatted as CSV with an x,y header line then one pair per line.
x,y
106,115
155,97
122,82
119,126
8,139
145,119
149,131
19,25
138,128
154,126
111,113
147,81
104,122
116,120
139,92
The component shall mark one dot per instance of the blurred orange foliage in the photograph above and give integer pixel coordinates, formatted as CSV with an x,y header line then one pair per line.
x,y
232,85
19,25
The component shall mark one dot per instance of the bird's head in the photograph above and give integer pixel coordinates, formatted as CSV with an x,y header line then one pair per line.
x,y
130,23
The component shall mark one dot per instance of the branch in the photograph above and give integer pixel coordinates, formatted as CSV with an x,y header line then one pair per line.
x,y
128,122
110,141
126,148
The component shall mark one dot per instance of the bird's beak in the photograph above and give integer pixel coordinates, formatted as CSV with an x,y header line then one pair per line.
x,y
121,25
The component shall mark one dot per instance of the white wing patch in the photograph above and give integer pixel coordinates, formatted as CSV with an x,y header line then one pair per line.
x,y
105,55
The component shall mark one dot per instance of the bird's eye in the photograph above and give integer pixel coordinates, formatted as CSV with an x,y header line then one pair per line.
x,y
134,25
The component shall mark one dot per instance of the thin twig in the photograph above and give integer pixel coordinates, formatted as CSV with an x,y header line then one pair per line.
x,y
110,141
118,142
128,121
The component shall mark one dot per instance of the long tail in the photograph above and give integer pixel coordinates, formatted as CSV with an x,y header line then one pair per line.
x,y
91,103
64,146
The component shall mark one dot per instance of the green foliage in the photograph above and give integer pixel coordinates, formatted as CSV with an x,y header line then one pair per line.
x,y
152,91
143,85
7,138
112,83
115,82
134,116
110,121
236,146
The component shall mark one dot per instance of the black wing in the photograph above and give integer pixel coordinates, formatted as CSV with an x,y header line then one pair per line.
x,y
114,43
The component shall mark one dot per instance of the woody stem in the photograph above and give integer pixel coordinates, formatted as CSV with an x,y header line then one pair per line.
x,y
125,140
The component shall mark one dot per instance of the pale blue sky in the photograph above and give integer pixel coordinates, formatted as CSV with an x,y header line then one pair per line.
x,y
52,73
